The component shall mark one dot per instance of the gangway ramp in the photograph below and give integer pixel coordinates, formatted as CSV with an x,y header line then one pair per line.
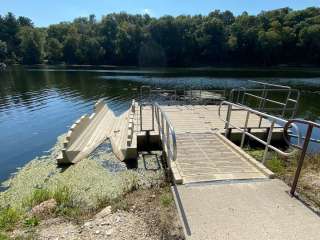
x,y
207,157
203,153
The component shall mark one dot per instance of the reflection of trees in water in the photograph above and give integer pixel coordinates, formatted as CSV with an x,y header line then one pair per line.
x,y
28,88
37,87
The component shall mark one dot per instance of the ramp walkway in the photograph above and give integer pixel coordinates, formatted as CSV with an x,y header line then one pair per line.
x,y
203,153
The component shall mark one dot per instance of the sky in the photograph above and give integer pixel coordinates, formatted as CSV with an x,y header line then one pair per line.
x,y
46,12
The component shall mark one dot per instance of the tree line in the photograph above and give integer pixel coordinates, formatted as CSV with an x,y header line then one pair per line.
x,y
281,36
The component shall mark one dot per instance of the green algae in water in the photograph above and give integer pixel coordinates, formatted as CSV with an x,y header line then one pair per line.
x,y
100,177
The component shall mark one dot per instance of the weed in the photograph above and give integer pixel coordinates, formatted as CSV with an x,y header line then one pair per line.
x,y
166,199
71,212
3,237
276,165
119,204
62,196
9,217
38,196
31,222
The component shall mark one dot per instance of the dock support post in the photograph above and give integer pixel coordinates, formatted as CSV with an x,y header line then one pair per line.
x,y
301,159
228,121
268,142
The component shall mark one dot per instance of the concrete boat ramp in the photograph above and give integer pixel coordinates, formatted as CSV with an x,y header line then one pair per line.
x,y
220,191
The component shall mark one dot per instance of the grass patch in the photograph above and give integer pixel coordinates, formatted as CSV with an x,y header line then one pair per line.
x,y
9,217
276,165
119,204
166,199
3,237
62,195
31,222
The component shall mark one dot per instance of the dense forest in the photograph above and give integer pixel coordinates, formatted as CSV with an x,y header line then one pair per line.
x,y
282,36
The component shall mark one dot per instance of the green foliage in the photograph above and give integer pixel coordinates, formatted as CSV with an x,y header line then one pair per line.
x,y
3,236
31,45
62,196
9,217
38,196
166,199
269,38
31,222
3,51
276,165
119,204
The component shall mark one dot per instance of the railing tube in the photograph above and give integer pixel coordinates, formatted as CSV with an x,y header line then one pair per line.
x,y
301,159
268,142
245,129
228,120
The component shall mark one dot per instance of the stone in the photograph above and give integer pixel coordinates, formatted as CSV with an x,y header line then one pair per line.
x,y
44,208
109,232
104,212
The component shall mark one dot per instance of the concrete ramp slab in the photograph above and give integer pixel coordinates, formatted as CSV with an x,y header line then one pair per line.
x,y
252,210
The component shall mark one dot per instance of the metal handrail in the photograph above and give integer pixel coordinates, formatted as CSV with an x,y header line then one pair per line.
x,y
167,134
263,98
303,147
272,119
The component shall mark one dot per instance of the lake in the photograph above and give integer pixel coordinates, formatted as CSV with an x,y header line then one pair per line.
x,y
37,104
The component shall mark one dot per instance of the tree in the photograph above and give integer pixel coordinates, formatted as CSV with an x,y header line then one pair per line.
x,y
281,36
54,50
3,51
31,45
269,43
310,41
70,47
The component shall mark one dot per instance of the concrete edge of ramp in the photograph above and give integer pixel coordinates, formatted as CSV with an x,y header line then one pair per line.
x,y
245,155
244,210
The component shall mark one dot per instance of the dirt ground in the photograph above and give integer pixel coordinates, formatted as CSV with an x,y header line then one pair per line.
x,y
143,214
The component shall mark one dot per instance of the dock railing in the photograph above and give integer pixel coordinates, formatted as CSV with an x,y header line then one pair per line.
x,y
167,134
265,96
288,125
230,107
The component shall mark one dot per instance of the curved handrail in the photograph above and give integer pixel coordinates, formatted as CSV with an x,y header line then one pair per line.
x,y
244,131
167,134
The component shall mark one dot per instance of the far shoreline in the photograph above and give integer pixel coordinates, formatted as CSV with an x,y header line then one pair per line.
x,y
223,71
